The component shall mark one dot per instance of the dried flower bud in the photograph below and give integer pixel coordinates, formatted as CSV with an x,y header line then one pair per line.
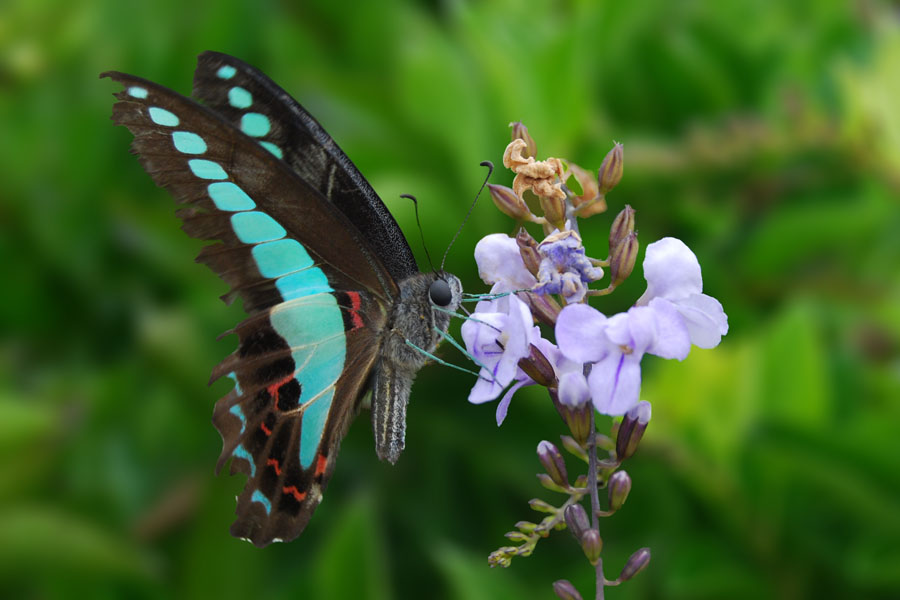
x,y
632,430
619,486
610,173
554,208
553,462
585,179
577,520
565,590
635,564
528,248
508,202
592,544
622,226
520,132
538,367
621,263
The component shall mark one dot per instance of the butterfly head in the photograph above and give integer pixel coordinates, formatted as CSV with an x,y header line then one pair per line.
x,y
445,291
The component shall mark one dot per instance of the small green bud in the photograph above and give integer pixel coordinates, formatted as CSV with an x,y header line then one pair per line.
x,y
592,544
577,520
508,202
619,486
520,132
526,526
574,447
516,536
553,462
622,225
565,590
528,250
610,173
541,506
635,564
621,263
548,483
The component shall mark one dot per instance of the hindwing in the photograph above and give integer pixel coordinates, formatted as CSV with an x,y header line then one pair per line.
x,y
316,292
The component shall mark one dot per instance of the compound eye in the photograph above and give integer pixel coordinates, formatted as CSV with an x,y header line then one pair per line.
x,y
440,292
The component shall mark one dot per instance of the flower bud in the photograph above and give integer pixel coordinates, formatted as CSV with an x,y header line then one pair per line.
x,y
526,526
592,544
520,132
577,520
508,202
622,226
632,430
528,248
549,484
621,263
538,367
635,564
544,308
619,486
565,590
554,208
574,447
610,173
553,462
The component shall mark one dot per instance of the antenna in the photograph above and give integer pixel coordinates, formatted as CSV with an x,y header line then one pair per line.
x,y
421,233
490,167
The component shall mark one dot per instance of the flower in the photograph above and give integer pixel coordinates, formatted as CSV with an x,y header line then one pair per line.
x,y
673,277
564,267
500,264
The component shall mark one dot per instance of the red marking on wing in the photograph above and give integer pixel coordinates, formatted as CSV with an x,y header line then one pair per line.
x,y
273,389
292,489
265,429
272,462
320,464
355,305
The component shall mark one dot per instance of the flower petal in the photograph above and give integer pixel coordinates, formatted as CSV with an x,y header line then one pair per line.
x,y
573,389
580,333
671,270
615,383
499,261
503,405
704,318
672,339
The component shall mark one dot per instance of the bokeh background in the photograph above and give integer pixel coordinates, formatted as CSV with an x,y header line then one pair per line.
x,y
764,134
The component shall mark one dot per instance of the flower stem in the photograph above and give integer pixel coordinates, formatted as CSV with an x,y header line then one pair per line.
x,y
595,497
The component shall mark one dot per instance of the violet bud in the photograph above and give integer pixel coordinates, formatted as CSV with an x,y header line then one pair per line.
x,y
631,430
621,263
545,308
565,590
520,132
577,520
528,248
619,486
536,366
621,226
576,418
554,463
508,202
610,173
592,544
635,564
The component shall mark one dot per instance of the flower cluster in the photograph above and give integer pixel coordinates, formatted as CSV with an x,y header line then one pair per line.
x,y
591,359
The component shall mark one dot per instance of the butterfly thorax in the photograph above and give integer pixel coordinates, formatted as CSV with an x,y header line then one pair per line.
x,y
413,327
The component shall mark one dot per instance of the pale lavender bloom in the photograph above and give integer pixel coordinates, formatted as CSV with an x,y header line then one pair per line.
x,y
500,264
673,277
498,336
615,346
564,268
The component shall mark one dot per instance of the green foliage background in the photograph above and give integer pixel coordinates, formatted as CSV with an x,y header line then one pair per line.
x,y
764,134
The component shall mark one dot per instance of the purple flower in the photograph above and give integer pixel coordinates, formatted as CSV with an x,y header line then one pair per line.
x,y
500,264
564,267
615,346
498,336
673,277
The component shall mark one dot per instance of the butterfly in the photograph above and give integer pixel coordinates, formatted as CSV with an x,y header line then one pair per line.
x,y
336,304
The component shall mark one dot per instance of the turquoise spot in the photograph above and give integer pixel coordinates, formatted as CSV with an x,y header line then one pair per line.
x,y
228,196
255,124
161,116
236,411
258,497
274,259
226,72
240,452
189,143
255,227
237,385
314,418
206,169
307,282
272,148
137,92
238,97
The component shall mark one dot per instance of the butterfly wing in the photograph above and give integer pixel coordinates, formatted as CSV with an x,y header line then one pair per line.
x,y
316,294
